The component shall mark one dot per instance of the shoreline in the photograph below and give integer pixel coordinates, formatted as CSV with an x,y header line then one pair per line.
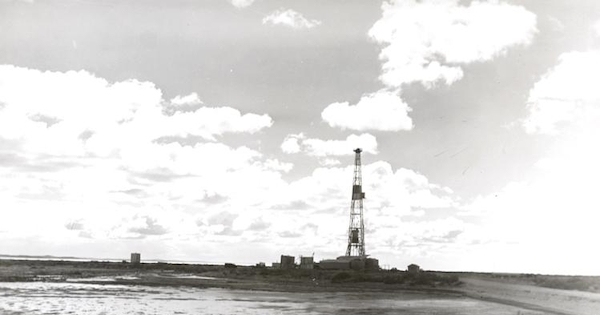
x,y
329,288
514,292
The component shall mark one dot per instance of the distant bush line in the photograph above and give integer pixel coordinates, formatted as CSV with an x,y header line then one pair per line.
x,y
398,277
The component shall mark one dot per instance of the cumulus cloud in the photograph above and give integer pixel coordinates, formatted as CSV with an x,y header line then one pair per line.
x,y
73,141
296,143
567,94
240,4
392,194
552,210
210,121
596,28
259,225
77,100
383,110
329,162
190,99
291,143
405,190
111,179
77,112
290,18
147,226
426,41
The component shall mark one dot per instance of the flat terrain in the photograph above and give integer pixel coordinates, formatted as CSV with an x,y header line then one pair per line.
x,y
557,301
529,292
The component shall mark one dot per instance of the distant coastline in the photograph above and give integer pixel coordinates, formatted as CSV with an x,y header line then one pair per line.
x,y
96,259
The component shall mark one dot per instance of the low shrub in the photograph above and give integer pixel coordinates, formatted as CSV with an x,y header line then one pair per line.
x,y
341,277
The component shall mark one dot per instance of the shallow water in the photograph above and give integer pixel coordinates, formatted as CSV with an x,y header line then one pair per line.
x,y
111,299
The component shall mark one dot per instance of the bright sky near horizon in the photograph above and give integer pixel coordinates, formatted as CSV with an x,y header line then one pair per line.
x,y
223,130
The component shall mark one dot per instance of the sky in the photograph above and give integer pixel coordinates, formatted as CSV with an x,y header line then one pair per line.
x,y
223,131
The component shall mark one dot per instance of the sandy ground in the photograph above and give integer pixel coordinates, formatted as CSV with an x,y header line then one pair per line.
x,y
545,299
39,298
515,293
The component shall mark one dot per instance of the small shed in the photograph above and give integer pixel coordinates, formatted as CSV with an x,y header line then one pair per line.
x,y
371,264
412,268
287,262
136,258
306,262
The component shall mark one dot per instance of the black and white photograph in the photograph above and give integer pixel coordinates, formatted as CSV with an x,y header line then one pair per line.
x,y
300,157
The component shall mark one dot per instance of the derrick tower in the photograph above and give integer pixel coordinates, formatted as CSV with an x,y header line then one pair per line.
x,y
356,230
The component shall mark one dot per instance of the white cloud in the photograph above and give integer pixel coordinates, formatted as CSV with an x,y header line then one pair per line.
x,y
76,141
551,214
291,143
252,198
240,4
596,28
76,97
403,190
566,95
277,165
391,195
290,18
316,206
190,99
383,110
425,41
120,187
112,116
209,121
329,162
296,143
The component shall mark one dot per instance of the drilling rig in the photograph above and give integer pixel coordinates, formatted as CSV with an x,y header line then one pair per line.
x,y
356,255
356,230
